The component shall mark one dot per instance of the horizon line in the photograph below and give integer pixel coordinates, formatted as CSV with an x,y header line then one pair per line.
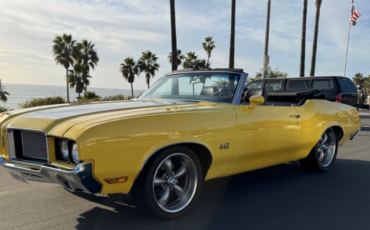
x,y
4,84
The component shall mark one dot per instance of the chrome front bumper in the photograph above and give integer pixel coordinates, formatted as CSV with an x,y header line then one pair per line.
x,y
79,179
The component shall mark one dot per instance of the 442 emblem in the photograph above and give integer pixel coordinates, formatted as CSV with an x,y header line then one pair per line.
x,y
224,146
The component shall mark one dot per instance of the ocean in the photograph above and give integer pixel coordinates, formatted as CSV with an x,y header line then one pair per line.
x,y
20,93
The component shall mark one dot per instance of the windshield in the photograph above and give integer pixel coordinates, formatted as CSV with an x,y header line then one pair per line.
x,y
217,87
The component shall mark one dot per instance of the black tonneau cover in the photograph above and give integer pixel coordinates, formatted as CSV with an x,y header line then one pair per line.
x,y
294,96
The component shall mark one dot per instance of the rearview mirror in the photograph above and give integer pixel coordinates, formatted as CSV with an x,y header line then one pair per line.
x,y
196,81
256,100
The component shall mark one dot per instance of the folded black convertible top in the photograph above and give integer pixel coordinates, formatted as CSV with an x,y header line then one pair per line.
x,y
294,96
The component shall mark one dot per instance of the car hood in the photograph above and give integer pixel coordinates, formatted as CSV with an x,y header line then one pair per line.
x,y
56,120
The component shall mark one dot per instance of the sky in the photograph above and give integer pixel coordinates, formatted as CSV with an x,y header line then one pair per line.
x,y
126,28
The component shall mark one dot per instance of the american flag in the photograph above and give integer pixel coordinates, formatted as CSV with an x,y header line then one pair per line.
x,y
354,16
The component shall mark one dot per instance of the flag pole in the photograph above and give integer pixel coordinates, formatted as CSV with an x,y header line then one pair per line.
x,y
349,35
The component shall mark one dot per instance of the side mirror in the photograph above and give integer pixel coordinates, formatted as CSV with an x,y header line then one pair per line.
x,y
256,100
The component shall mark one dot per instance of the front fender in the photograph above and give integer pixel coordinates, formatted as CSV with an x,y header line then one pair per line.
x,y
120,148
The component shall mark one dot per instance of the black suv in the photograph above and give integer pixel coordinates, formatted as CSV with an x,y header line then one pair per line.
x,y
336,89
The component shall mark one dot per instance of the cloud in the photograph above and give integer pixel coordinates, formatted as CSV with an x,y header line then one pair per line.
x,y
122,28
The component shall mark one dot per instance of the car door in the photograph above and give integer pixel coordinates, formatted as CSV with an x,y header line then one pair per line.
x,y
264,136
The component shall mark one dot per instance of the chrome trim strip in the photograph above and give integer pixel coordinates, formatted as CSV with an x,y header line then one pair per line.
x,y
79,179
355,134
204,71
29,130
11,146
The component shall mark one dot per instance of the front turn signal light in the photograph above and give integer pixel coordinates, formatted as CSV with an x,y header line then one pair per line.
x,y
116,180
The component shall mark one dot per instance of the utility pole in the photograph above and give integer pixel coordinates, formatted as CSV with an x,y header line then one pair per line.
x,y
315,38
232,36
303,41
173,35
266,58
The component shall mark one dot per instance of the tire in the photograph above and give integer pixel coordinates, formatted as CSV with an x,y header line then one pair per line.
x,y
169,197
323,155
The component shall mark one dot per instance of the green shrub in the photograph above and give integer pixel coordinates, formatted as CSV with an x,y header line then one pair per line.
x,y
118,97
4,109
90,95
84,100
42,101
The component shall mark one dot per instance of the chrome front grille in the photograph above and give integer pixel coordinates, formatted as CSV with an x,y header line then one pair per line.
x,y
27,145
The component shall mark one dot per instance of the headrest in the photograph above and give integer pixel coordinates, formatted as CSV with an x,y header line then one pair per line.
x,y
209,90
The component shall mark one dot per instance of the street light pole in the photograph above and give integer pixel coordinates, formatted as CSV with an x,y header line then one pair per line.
x,y
266,57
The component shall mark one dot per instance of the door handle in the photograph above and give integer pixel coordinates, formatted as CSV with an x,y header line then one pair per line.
x,y
296,116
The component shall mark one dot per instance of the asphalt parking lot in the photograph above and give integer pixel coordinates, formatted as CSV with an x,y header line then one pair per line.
x,y
280,197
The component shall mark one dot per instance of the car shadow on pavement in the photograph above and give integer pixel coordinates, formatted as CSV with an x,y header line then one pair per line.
x,y
279,197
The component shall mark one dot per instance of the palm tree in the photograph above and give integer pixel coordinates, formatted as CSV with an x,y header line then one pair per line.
x,y
64,50
366,87
303,43
203,65
148,64
358,79
88,57
208,46
315,37
276,73
191,61
272,73
363,83
222,84
129,69
173,34
3,93
180,57
75,78
232,35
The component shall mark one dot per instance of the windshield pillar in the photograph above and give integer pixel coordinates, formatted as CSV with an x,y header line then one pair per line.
x,y
175,86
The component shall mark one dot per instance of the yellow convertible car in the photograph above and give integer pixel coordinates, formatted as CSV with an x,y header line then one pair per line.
x,y
189,127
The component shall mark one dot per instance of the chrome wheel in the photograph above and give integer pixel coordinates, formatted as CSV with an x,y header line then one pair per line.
x,y
175,182
326,148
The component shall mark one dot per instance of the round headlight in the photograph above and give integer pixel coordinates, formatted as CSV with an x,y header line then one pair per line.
x,y
75,153
64,149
